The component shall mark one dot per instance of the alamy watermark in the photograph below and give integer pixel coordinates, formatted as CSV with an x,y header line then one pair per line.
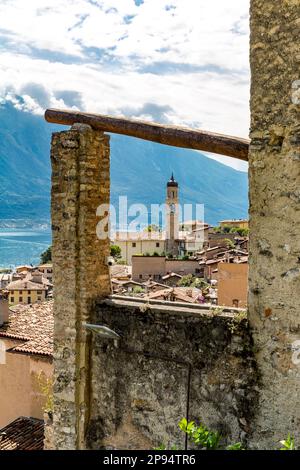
x,y
137,217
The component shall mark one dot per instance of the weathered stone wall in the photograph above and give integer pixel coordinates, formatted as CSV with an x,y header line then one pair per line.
x,y
274,166
80,183
171,362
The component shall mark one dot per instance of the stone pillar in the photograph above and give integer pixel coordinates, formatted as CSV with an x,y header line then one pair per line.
x,y
80,183
274,169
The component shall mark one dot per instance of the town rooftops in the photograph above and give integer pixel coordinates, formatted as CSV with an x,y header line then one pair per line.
x,y
23,434
149,236
32,325
215,260
184,294
230,221
150,284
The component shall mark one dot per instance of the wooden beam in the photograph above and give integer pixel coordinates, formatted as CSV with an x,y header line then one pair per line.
x,y
168,135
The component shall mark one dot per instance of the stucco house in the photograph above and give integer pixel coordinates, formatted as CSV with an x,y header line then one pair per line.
x,y
26,344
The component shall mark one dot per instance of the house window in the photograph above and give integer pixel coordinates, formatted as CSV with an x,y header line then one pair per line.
x,y
28,292
12,300
12,292
39,297
157,244
133,244
141,276
20,299
197,271
29,300
39,292
235,303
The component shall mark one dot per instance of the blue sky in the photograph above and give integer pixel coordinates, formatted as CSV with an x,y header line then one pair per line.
x,y
175,61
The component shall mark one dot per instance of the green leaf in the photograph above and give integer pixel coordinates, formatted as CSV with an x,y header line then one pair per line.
x,y
183,424
236,446
288,444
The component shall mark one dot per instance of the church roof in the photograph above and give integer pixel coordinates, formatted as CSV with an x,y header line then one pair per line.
x,y
172,181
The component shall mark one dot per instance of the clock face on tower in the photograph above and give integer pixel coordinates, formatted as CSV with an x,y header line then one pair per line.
x,y
172,208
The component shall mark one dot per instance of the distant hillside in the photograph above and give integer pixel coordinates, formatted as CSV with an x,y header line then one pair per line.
x,y
138,168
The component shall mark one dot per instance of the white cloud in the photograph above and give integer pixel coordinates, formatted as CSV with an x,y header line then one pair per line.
x,y
190,57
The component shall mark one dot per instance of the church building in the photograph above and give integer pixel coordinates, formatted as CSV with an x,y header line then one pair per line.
x,y
179,238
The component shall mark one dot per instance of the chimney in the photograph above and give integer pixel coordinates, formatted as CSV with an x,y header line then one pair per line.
x,y
4,310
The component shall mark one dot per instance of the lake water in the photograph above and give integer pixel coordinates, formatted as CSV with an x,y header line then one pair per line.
x,y
22,246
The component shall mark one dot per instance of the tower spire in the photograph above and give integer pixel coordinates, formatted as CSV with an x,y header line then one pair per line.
x,y
172,181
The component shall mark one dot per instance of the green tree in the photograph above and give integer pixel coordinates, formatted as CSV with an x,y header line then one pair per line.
x,y
226,229
186,281
46,256
115,252
191,281
200,283
229,243
138,290
243,232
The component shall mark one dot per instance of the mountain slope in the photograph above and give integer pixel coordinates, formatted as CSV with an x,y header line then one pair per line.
x,y
24,165
139,169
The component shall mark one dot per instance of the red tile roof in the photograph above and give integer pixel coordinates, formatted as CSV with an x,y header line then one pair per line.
x,y
23,434
33,326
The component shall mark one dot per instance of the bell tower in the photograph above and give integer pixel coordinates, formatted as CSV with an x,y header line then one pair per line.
x,y
172,223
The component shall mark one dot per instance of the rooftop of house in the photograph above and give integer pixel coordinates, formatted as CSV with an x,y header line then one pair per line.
x,y
23,434
159,293
32,281
148,236
33,326
24,284
195,222
169,275
185,294
24,266
150,284
208,250
130,282
120,270
214,260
